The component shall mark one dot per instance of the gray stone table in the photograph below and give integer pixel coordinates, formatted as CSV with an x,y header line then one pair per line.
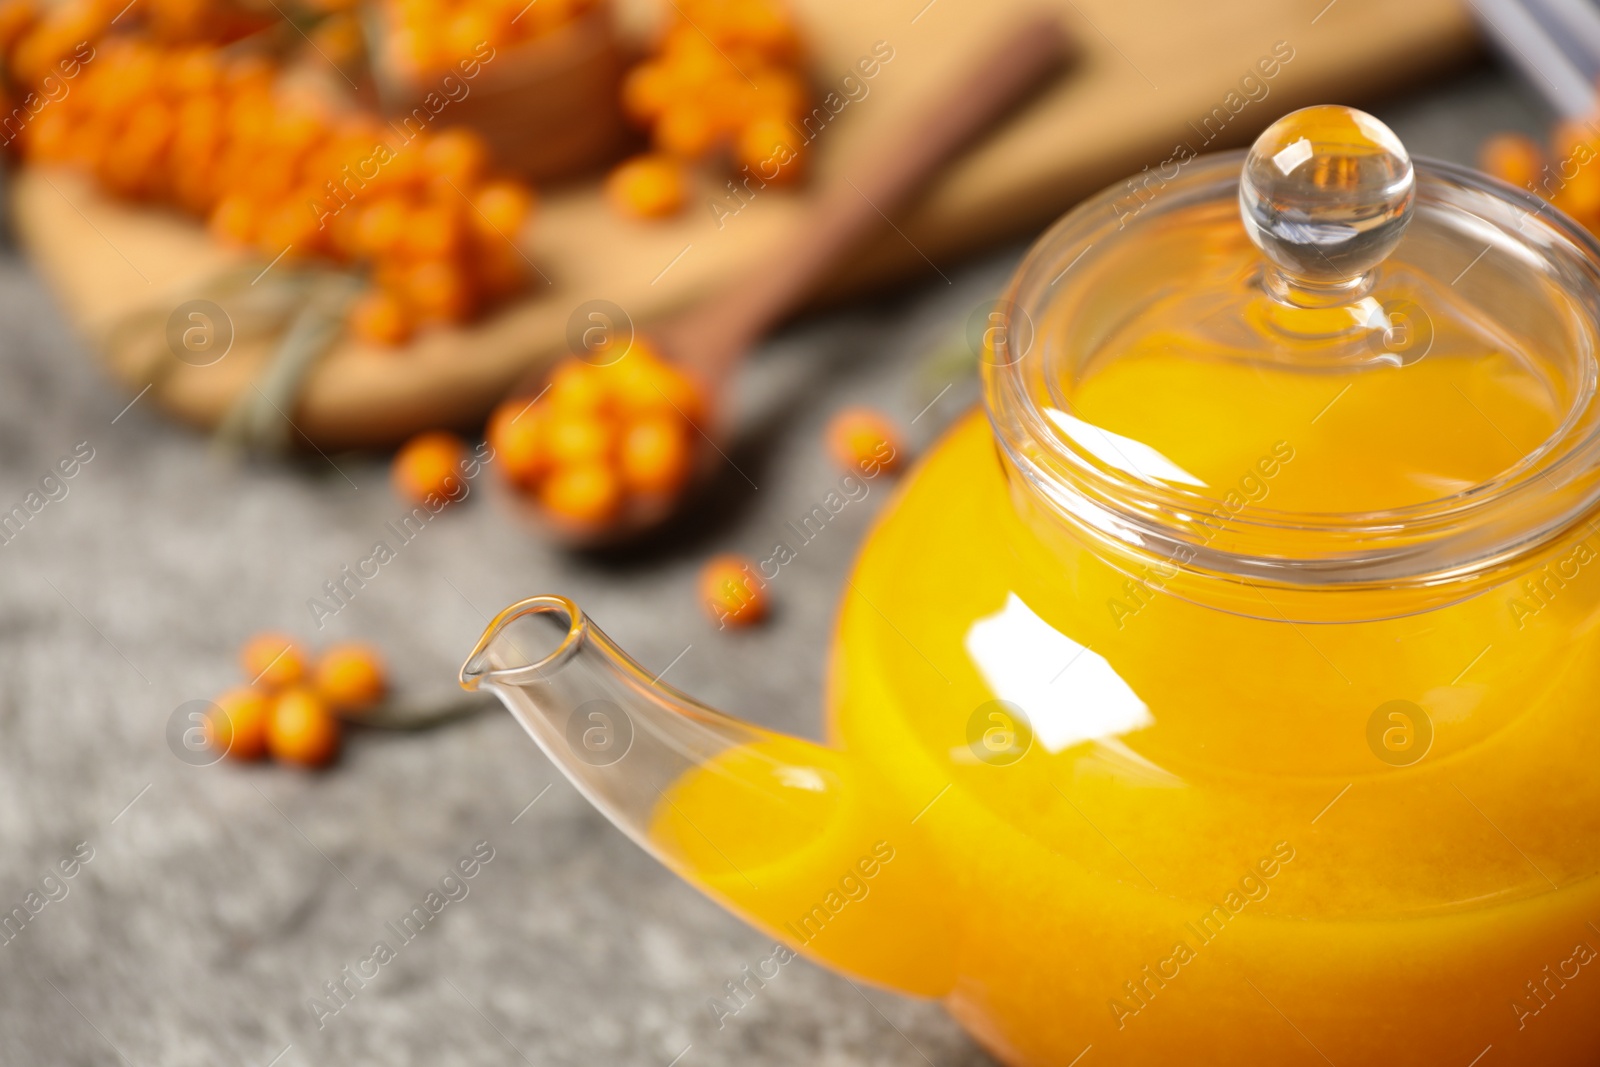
x,y
218,899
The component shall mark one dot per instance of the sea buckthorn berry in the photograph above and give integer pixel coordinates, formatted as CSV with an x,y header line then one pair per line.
x,y
654,456
301,730
1512,158
429,467
584,495
501,210
48,138
772,150
644,384
291,230
1573,141
1580,197
732,592
381,318
272,661
864,441
576,437
686,130
680,392
647,90
722,72
16,17
235,220
636,384
381,227
237,728
432,232
437,290
465,30
350,677
778,93
456,155
516,433
647,187
577,386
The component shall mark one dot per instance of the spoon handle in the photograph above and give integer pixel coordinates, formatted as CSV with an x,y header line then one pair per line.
x,y
861,196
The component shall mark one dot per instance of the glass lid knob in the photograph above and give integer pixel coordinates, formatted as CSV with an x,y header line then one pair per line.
x,y
1326,194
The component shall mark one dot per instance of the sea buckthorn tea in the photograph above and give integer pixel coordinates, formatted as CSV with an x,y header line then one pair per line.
x,y
1223,692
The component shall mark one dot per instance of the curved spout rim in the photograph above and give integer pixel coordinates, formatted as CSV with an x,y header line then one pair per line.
x,y
474,670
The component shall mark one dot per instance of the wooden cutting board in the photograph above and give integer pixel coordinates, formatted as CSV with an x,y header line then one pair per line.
x,y
1150,75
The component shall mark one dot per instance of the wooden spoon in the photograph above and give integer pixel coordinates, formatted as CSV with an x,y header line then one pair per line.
x,y
711,337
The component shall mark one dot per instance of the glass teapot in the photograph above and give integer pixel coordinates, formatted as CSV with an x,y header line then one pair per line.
x,y
1225,690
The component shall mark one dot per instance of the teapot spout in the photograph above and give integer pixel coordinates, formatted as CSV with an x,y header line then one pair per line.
x,y
622,737
776,828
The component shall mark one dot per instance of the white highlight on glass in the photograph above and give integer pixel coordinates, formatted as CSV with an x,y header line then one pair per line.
x,y
1069,693
1292,156
1123,453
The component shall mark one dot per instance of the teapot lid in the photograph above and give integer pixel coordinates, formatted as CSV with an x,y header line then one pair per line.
x,y
1316,364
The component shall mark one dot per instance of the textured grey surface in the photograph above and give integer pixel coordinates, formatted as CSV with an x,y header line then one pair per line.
x,y
219,899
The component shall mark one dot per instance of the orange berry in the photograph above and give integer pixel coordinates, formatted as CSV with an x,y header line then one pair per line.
x,y
381,227
289,228
48,139
577,386
457,155
502,209
654,456
429,465
350,677
647,187
694,60
632,393
543,17
766,29
647,90
381,318
778,93
338,235
438,291
270,179
1512,158
639,383
1568,135
406,172
301,730
250,72
861,440
586,494
465,30
677,392
238,726
1580,197
772,150
516,434
272,661
685,130
415,50
732,592
16,17
432,232
576,437
235,220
